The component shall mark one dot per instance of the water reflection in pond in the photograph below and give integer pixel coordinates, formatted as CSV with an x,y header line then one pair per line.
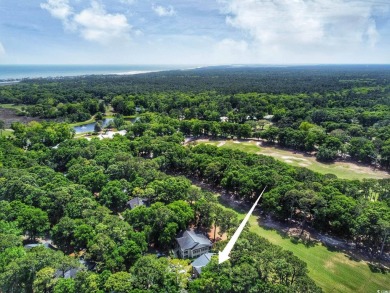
x,y
90,127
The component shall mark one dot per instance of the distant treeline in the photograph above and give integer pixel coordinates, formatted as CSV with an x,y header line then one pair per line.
x,y
335,111
272,80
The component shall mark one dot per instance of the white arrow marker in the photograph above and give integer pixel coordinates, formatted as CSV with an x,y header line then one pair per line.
x,y
224,255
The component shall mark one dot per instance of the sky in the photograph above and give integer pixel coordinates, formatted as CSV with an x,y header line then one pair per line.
x,y
194,32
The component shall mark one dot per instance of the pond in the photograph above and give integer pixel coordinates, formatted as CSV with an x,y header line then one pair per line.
x,y
90,127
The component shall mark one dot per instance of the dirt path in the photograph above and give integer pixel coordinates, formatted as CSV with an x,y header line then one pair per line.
x,y
221,143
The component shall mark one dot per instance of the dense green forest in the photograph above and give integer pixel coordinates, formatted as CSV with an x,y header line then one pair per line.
x,y
80,211
75,191
337,112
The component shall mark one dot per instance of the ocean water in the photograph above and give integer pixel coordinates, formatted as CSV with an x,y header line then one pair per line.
x,y
17,72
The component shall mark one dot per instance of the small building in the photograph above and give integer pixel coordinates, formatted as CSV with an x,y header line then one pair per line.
x,y
136,202
90,265
224,119
192,245
200,262
268,117
69,274
45,245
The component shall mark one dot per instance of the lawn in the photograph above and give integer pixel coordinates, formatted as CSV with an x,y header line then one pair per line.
x,y
91,120
109,111
6,132
12,106
84,135
344,170
331,270
248,147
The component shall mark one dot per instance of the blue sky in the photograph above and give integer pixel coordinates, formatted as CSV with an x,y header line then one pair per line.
x,y
194,32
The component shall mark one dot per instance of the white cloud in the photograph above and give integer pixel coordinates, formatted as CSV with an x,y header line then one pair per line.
x,y
128,2
231,51
372,33
138,33
300,26
58,8
164,11
232,46
93,23
2,50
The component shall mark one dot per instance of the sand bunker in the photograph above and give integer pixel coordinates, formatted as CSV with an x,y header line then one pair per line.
x,y
293,158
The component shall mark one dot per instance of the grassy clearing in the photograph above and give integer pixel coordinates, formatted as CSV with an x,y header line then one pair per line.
x,y
12,106
333,271
342,170
249,147
6,132
92,120
124,117
110,111
84,134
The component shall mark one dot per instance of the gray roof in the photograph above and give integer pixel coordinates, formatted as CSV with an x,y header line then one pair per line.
x,y
190,240
135,202
68,274
71,273
45,245
90,265
202,261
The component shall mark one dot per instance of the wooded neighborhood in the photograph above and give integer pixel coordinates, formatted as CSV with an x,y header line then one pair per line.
x,y
149,209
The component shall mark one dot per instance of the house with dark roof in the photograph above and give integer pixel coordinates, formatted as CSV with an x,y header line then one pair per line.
x,y
200,262
192,244
136,202
69,274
